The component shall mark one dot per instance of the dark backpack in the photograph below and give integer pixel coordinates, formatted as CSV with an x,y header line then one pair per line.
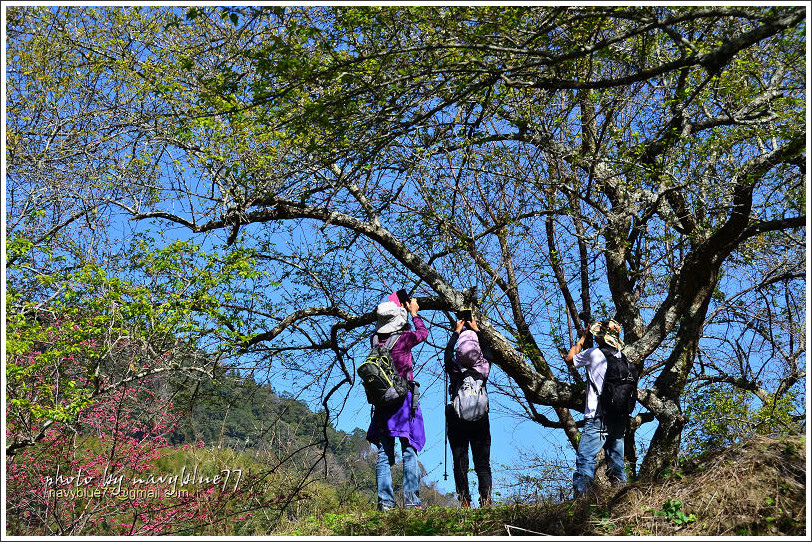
x,y
382,383
619,393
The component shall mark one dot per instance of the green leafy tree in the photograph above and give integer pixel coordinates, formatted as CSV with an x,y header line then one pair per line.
x,y
720,415
645,163
85,334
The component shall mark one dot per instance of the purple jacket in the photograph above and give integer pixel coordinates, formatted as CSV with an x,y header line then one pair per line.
x,y
398,421
466,350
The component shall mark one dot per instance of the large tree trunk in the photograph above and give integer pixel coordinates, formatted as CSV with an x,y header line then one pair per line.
x,y
664,448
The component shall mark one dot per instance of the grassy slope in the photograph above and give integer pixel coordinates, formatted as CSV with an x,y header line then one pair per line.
x,y
754,488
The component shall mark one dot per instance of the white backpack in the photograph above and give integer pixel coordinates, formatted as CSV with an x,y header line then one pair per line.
x,y
471,400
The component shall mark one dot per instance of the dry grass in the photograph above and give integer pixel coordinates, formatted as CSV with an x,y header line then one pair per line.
x,y
754,488
750,489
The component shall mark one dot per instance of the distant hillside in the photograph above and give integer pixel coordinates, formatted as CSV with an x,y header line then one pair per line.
x,y
253,419
238,413
749,489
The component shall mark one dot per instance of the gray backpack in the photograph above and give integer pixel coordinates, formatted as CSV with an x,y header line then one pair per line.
x,y
471,399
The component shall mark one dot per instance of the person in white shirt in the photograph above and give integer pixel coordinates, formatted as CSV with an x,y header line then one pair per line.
x,y
599,431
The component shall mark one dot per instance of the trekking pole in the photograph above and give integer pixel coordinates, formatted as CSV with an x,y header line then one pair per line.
x,y
445,442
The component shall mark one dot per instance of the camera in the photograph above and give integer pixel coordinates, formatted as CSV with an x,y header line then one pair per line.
x,y
403,297
465,315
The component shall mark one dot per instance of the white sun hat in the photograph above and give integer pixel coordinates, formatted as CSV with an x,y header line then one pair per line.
x,y
390,317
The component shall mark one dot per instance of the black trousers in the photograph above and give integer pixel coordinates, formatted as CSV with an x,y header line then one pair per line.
x,y
477,434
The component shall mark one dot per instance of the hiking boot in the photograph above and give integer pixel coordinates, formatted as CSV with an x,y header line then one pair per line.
x,y
418,507
485,503
465,503
385,508
617,482
590,493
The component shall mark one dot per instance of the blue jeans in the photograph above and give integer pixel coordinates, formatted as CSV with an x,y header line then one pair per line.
x,y
599,433
383,473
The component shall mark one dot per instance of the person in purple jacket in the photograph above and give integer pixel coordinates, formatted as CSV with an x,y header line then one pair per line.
x,y
466,352
401,420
